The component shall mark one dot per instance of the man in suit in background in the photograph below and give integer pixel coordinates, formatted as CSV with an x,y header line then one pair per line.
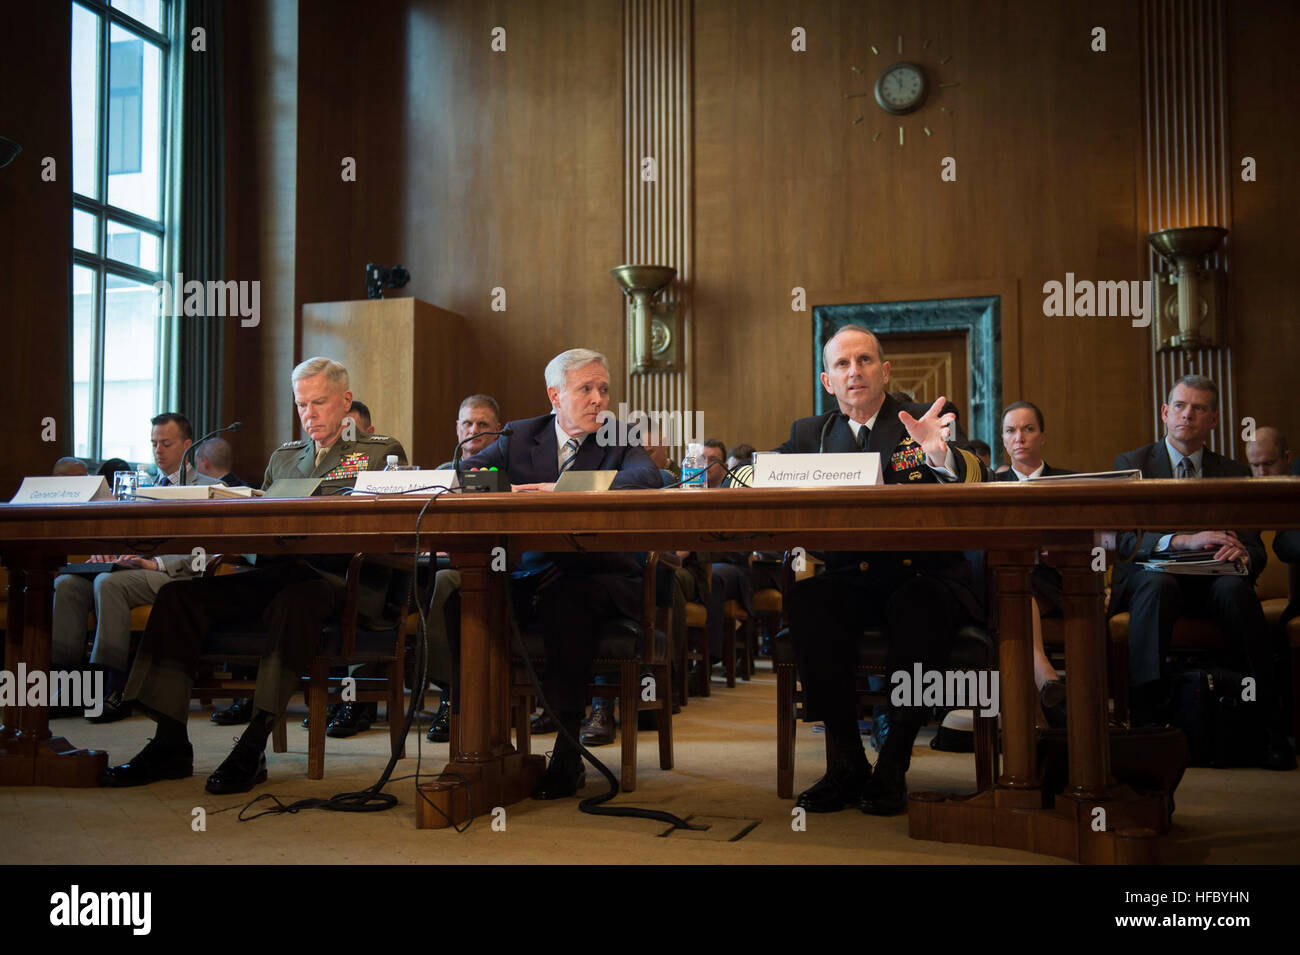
x,y
135,583
1155,600
214,458
1024,434
919,598
477,420
1268,454
293,596
572,592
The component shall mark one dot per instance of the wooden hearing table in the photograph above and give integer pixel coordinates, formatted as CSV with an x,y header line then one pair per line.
x,y
1011,521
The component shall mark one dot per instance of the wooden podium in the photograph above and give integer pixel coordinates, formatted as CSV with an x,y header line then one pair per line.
x,y
406,359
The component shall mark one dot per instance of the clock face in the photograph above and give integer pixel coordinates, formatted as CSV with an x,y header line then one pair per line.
x,y
901,88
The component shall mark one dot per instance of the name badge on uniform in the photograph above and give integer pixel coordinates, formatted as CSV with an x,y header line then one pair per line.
x,y
349,465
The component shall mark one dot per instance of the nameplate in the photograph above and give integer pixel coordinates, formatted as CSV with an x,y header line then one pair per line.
x,y
62,490
402,482
836,469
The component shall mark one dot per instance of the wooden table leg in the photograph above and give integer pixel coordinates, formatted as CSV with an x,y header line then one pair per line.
x,y
13,649
34,757
1085,667
485,770
1018,784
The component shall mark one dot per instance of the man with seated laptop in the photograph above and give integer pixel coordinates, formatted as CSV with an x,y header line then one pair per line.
x,y
294,596
920,599
133,582
571,593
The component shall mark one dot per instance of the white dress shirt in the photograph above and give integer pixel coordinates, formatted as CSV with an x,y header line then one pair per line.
x,y
1036,472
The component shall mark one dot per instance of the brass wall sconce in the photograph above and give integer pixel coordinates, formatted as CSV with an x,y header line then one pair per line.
x,y
1193,315
656,328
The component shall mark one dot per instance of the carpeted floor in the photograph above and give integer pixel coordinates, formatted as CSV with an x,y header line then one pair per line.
x,y
725,770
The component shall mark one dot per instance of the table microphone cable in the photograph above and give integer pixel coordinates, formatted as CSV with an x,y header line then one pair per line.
x,y
373,799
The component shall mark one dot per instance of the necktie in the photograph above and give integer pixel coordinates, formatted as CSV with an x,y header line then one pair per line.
x,y
1185,468
864,435
162,481
570,454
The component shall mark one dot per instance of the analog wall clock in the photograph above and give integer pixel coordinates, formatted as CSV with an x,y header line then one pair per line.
x,y
902,88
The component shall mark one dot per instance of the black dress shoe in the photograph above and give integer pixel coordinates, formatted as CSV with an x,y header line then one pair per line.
x,y
599,728
1278,753
843,785
886,793
151,764
351,719
243,769
440,731
1052,698
237,713
563,778
539,724
330,712
115,708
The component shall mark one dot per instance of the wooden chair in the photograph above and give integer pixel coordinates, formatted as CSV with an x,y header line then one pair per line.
x,y
622,643
343,641
1195,636
972,649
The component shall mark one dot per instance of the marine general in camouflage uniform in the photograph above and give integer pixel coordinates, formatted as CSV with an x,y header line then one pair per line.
x,y
294,597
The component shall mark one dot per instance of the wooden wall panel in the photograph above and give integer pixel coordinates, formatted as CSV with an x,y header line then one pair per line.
x,y
1263,317
36,238
261,198
515,181
791,192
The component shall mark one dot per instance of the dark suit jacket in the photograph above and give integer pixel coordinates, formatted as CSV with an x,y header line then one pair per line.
x,y
1153,461
1048,471
899,465
530,456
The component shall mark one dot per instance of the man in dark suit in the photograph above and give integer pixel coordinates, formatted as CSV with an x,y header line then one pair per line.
x,y
293,596
919,598
214,458
1024,434
1156,600
570,593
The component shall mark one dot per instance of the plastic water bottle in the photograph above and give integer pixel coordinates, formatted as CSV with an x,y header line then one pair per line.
x,y
693,470
391,463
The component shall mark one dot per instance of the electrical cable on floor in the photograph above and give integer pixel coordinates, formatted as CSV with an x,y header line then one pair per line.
x,y
373,799
592,804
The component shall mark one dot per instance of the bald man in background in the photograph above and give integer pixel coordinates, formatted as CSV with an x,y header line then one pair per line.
x,y
1268,454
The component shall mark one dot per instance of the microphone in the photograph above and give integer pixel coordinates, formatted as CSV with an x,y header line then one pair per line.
x,y
460,447
189,452
826,429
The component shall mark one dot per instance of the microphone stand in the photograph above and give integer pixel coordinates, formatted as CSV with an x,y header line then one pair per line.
x,y
189,452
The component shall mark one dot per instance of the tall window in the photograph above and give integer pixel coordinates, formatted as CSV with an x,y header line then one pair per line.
x,y
120,109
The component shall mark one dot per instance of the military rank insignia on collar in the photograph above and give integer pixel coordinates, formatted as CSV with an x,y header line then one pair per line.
x,y
349,465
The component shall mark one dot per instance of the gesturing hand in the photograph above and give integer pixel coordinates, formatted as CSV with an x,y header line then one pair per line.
x,y
931,431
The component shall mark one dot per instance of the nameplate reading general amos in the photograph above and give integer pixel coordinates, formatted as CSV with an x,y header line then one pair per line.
x,y
851,469
62,490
